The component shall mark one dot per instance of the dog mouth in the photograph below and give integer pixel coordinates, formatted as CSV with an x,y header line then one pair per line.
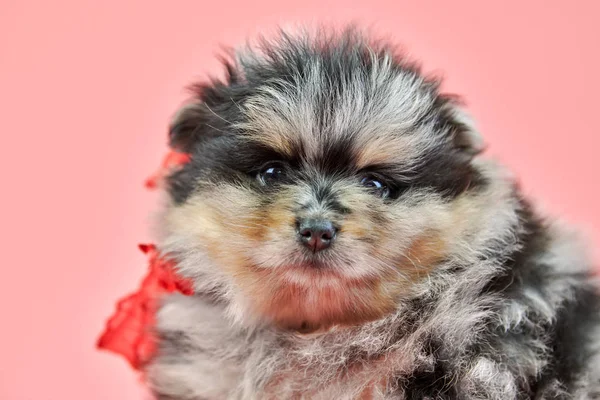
x,y
311,268
316,263
311,274
312,265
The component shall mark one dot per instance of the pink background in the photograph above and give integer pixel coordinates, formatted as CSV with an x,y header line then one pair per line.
x,y
86,89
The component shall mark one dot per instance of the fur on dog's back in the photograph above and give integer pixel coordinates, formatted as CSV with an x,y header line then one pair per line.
x,y
489,300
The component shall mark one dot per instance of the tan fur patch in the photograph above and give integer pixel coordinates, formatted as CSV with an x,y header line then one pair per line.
x,y
386,150
274,140
423,254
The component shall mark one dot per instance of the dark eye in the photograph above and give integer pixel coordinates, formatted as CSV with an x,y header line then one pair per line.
x,y
271,174
376,185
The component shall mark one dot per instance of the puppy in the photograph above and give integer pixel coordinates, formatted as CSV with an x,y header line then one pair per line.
x,y
346,241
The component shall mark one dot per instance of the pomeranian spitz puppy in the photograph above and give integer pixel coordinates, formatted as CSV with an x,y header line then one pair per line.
x,y
346,240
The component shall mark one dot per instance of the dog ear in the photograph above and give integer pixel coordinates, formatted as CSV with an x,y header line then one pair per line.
x,y
199,119
188,127
466,137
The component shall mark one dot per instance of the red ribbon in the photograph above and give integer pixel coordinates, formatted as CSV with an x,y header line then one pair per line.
x,y
130,330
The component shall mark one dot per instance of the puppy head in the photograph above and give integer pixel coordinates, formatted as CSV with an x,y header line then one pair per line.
x,y
327,176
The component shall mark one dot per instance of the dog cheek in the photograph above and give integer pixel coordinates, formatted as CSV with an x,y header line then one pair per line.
x,y
279,219
412,240
223,222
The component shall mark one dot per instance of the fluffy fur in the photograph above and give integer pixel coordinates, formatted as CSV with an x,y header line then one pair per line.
x,y
445,284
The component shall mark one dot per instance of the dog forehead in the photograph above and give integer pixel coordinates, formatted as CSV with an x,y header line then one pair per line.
x,y
379,120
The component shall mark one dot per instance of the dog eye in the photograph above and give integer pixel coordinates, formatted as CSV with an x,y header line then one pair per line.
x,y
271,174
375,185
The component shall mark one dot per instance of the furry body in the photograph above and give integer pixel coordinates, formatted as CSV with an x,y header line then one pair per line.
x,y
442,282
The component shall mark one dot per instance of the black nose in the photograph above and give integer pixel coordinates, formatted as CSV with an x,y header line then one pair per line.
x,y
316,234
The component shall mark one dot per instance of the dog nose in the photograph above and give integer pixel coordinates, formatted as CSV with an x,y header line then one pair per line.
x,y
316,234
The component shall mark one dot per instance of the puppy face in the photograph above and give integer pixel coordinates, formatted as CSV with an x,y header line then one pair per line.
x,y
326,177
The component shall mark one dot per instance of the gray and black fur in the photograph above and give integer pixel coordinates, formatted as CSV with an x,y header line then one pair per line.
x,y
440,281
